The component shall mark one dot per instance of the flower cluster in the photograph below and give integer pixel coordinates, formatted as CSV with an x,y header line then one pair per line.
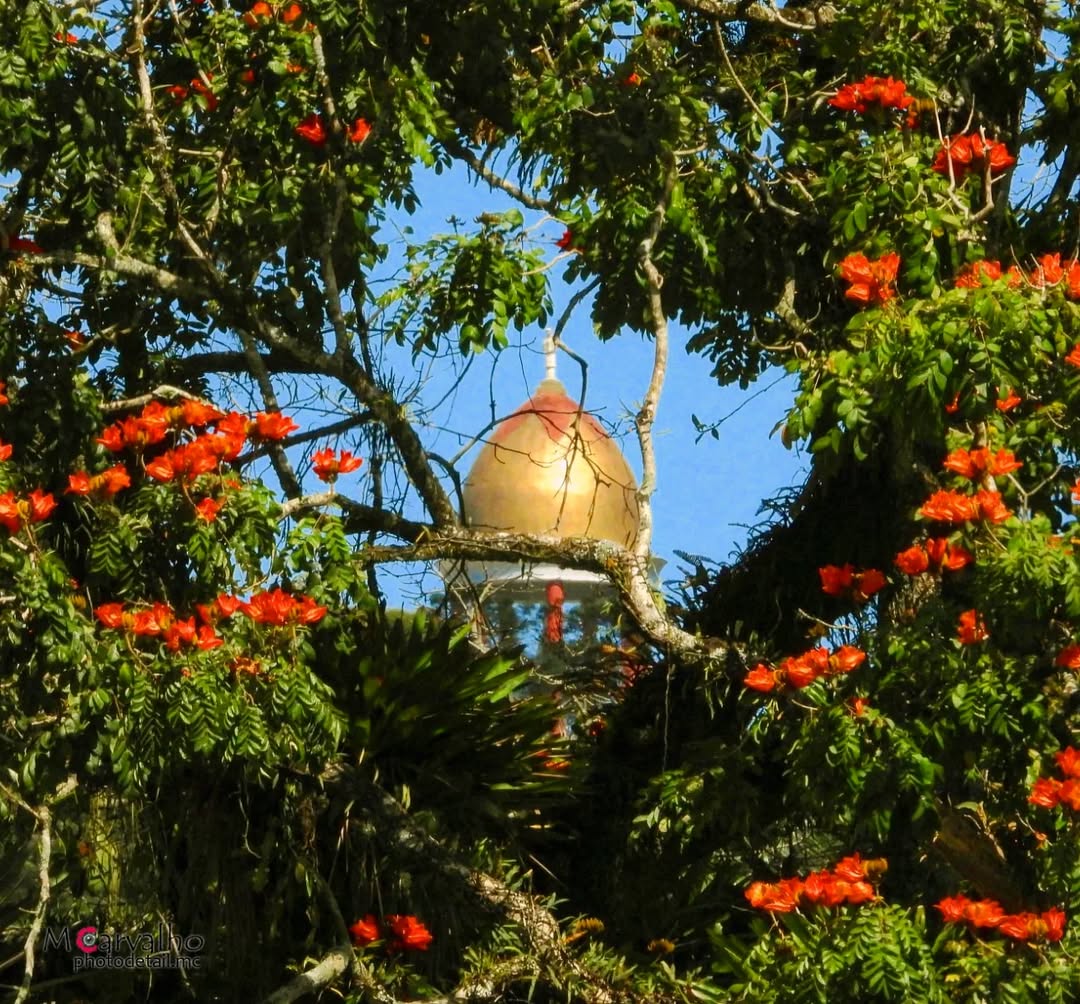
x,y
844,581
103,486
849,882
974,275
261,13
154,423
871,281
987,914
935,555
871,92
1049,792
962,154
16,513
406,932
328,466
981,463
801,670
202,454
955,507
314,131
158,621
1049,272
199,87
279,608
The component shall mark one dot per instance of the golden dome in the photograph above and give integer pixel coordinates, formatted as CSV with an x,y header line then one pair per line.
x,y
549,470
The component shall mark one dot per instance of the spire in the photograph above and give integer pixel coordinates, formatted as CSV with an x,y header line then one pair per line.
x,y
551,383
549,355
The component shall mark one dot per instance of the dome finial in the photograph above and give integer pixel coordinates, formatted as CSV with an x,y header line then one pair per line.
x,y
550,384
549,355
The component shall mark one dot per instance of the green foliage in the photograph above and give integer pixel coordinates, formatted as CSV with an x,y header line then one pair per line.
x,y
245,772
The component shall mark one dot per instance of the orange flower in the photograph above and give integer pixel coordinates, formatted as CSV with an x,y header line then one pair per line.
x,y
365,931
1048,271
950,557
104,485
359,131
859,706
846,658
913,561
798,672
988,506
209,508
980,463
1045,793
984,913
259,12
632,80
977,274
408,933
1069,657
566,242
209,98
776,897
760,678
3,396
948,507
291,12
271,425
1068,761
313,129
954,405
954,909
971,153
1073,358
1010,401
970,629
836,580
110,614
328,466
871,281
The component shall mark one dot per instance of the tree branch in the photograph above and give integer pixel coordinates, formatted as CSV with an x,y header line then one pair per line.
x,y
646,415
334,964
800,20
623,568
464,154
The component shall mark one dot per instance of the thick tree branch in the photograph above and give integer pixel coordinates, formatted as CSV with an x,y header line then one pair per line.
x,y
333,965
547,947
624,569
43,815
794,20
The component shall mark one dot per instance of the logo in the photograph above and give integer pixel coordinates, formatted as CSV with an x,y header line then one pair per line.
x,y
90,948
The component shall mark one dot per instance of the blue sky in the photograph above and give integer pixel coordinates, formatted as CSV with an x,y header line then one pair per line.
x,y
709,491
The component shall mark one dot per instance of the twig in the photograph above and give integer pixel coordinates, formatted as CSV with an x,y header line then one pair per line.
x,y
462,153
162,390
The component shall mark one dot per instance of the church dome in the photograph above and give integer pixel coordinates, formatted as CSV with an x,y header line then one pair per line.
x,y
550,469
